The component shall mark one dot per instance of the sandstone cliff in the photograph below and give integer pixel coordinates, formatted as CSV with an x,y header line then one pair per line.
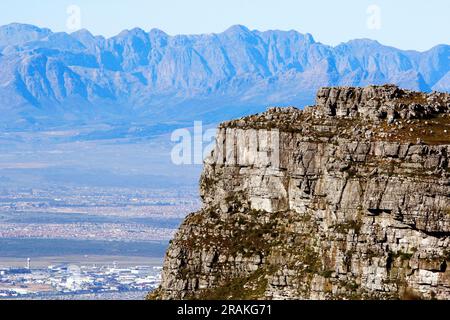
x,y
349,199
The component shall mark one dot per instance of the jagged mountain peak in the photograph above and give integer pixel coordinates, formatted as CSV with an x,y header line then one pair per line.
x,y
135,32
237,29
18,34
22,27
82,33
158,32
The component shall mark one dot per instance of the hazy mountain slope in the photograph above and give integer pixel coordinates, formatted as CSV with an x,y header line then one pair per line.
x,y
46,75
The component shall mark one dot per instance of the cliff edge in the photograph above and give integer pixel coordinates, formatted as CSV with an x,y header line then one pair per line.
x,y
349,199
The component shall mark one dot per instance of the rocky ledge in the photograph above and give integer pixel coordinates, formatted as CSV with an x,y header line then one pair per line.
x,y
349,199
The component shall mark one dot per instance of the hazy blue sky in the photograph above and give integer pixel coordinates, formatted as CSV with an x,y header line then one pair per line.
x,y
407,24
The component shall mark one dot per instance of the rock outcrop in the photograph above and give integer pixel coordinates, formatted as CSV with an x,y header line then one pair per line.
x,y
349,199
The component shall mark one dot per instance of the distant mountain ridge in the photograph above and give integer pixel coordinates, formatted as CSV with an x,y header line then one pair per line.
x,y
63,77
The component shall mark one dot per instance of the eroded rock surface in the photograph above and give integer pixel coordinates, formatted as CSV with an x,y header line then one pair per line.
x,y
349,199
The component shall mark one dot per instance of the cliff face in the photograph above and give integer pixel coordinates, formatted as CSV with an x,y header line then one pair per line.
x,y
349,199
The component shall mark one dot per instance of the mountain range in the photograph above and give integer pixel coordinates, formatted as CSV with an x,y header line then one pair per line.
x,y
49,78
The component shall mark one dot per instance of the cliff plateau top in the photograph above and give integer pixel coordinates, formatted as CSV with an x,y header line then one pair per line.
x,y
376,112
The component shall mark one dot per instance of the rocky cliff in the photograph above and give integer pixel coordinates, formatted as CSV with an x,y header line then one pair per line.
x,y
349,199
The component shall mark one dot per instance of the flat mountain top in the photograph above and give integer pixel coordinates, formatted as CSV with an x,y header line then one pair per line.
x,y
374,113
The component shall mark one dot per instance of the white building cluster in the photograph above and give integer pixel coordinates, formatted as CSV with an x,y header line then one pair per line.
x,y
72,279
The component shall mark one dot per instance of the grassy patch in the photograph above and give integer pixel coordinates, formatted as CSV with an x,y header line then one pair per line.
x,y
240,288
345,227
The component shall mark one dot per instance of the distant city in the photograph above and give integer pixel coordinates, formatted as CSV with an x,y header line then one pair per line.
x,y
93,213
60,281
86,242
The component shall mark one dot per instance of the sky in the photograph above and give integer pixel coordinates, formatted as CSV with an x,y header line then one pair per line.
x,y
405,24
